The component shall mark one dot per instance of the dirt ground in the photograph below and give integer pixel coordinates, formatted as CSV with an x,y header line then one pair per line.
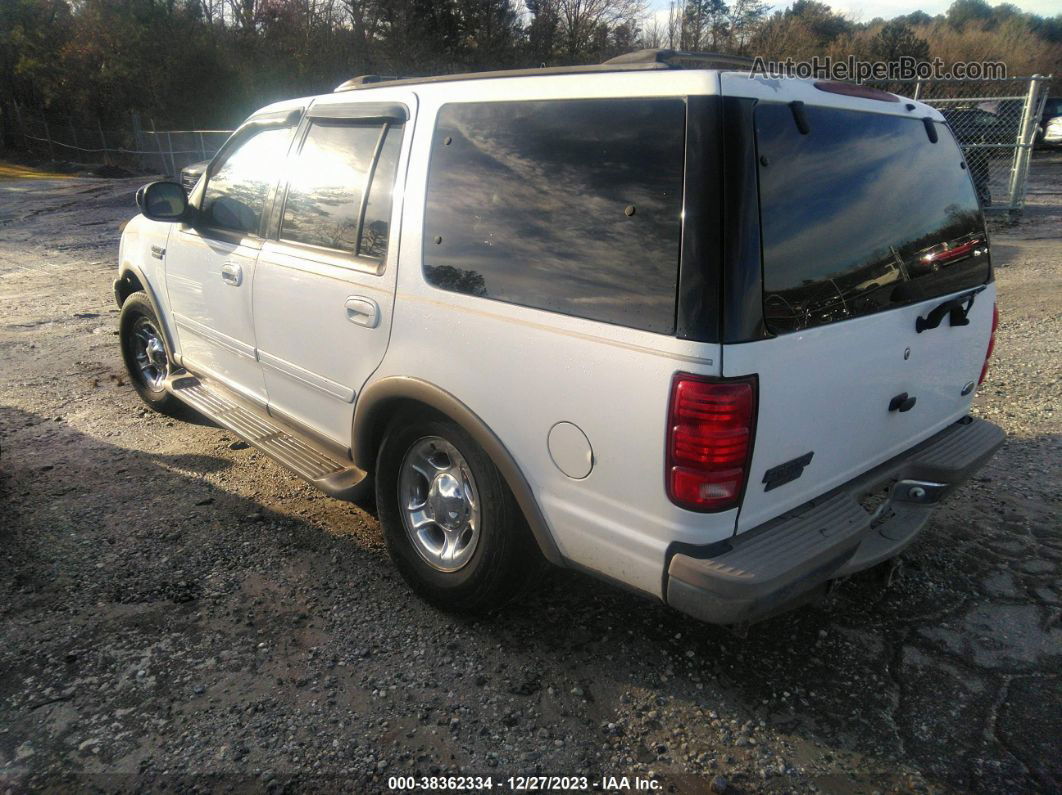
x,y
178,612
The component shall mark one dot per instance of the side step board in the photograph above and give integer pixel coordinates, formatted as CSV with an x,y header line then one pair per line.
x,y
330,473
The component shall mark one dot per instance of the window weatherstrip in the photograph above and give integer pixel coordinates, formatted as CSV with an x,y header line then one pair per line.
x,y
277,120
292,161
370,173
698,301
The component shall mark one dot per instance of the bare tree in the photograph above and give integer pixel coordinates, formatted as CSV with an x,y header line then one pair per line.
x,y
582,21
365,20
654,34
676,12
745,18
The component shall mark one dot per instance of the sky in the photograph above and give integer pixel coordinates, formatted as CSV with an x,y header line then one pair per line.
x,y
866,10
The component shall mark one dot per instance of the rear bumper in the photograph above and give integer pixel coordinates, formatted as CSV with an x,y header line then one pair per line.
x,y
774,566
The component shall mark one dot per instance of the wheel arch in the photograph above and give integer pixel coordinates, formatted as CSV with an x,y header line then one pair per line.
x,y
131,280
383,399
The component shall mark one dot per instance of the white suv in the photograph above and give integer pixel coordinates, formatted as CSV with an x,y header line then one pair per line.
x,y
708,335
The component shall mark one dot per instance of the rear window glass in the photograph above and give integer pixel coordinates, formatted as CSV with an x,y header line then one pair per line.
x,y
572,206
862,214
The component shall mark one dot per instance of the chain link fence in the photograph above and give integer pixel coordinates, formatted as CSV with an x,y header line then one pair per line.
x,y
138,147
995,122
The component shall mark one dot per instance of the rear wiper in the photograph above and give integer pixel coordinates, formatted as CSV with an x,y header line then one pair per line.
x,y
956,309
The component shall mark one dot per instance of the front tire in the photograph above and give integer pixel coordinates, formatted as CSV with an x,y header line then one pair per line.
x,y
144,351
451,524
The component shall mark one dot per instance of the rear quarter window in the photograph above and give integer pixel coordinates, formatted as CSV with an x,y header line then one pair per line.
x,y
572,206
862,214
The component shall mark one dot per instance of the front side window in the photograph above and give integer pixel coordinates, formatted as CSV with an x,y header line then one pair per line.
x,y
237,191
572,206
862,214
339,193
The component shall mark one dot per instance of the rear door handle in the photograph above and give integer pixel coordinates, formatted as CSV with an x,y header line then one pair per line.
x,y
232,274
362,311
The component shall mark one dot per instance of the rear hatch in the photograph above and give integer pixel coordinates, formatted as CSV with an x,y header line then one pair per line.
x,y
869,222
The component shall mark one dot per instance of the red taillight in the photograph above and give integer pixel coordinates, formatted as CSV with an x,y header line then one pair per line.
x,y
991,343
710,431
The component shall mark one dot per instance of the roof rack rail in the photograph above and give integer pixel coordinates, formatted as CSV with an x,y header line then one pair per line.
x,y
642,60
684,59
363,80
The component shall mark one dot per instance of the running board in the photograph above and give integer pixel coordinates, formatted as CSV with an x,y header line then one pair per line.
x,y
331,474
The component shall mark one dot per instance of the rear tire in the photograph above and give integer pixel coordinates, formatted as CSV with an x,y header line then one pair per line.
x,y
147,360
451,524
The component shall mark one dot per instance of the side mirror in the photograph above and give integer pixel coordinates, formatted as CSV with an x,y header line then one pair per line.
x,y
163,201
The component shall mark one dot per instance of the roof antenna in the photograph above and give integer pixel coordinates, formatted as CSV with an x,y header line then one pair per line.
x,y
800,116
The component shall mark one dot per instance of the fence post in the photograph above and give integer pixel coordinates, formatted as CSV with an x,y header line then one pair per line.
x,y
22,126
1024,145
169,143
202,146
158,142
73,137
138,138
48,135
918,88
103,142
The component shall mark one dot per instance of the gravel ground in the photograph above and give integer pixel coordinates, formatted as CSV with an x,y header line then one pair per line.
x,y
178,612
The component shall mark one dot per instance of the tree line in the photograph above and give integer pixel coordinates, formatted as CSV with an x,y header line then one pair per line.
x,y
211,62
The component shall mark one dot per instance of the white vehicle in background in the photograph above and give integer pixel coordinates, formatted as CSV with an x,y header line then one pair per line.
x,y
1053,132
670,326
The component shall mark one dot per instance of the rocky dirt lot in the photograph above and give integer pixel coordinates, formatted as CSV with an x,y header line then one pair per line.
x,y
179,613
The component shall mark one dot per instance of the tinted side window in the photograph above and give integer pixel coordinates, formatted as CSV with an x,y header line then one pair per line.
x,y
860,215
236,193
572,206
328,183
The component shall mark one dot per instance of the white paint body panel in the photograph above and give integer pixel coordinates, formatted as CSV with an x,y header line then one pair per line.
x,y
524,370
314,359
213,318
827,389
139,237
782,89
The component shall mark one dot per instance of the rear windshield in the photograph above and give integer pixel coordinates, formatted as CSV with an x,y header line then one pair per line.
x,y
861,214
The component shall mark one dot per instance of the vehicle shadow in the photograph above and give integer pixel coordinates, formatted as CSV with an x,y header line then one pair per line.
x,y
936,639
108,550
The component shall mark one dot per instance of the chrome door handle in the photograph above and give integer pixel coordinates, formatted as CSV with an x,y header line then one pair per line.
x,y
362,311
232,274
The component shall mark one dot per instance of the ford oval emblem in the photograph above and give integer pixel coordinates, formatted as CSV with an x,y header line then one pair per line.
x,y
968,387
